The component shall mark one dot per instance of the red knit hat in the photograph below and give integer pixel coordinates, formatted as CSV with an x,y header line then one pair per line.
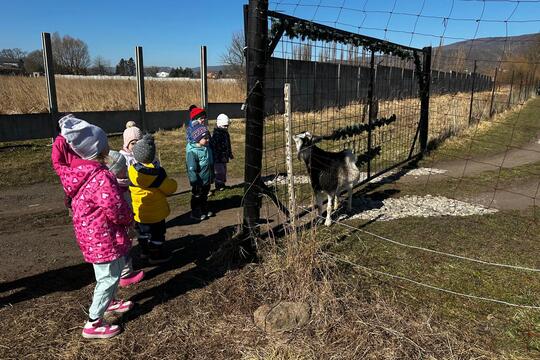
x,y
196,113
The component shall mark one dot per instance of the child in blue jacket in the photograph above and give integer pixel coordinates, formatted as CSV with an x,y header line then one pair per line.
x,y
200,171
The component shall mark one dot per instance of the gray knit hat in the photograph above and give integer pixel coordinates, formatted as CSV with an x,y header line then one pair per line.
x,y
144,150
117,164
87,140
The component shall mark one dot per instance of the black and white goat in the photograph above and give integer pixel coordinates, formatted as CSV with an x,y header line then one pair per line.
x,y
330,172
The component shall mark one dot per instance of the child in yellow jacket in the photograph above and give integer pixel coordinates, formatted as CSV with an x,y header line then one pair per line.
x,y
149,187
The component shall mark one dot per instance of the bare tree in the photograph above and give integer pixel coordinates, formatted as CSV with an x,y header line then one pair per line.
x,y
101,66
70,54
234,56
15,54
33,62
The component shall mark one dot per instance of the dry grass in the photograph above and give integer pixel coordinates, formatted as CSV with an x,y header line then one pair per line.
x,y
21,95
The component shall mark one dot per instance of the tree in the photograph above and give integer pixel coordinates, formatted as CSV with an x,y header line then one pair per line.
x,y
188,72
234,57
100,66
121,67
14,54
70,54
33,62
131,68
151,71
175,72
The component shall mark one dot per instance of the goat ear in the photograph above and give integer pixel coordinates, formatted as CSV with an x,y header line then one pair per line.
x,y
316,139
308,135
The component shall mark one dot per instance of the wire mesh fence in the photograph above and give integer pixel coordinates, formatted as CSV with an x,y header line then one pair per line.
x,y
341,81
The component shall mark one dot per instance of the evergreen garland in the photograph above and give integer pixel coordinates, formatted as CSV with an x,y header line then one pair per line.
x,y
368,155
352,130
304,29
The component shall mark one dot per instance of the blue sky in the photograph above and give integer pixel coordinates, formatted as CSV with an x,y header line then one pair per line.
x,y
172,31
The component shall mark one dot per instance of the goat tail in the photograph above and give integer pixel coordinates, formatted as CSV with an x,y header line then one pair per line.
x,y
367,156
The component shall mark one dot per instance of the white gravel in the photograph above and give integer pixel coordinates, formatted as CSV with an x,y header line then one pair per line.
x,y
304,179
412,205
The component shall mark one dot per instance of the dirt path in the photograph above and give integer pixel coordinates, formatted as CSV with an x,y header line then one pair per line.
x,y
518,195
35,217
527,154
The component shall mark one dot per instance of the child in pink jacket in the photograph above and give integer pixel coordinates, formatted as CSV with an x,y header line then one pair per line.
x,y
101,218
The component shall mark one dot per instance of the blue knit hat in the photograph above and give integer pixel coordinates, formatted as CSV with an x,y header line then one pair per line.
x,y
198,132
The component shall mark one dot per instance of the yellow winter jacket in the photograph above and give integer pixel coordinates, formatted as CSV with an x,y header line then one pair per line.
x,y
149,187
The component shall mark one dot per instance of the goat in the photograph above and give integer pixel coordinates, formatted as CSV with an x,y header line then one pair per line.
x,y
330,172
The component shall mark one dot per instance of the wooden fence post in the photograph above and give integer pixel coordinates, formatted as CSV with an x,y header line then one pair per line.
x,y
289,159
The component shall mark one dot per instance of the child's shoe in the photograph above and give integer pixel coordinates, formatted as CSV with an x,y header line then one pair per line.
x,y
132,278
99,329
197,215
119,307
209,214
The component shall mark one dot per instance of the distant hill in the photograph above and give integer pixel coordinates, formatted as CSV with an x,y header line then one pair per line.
x,y
488,52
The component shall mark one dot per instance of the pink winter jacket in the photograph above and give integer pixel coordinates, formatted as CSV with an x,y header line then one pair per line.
x,y
101,216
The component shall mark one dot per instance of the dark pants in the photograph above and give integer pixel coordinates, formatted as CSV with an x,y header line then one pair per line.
x,y
151,235
199,199
220,171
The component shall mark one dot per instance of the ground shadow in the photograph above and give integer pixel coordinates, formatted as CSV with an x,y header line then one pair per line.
x,y
216,206
213,255
185,250
68,278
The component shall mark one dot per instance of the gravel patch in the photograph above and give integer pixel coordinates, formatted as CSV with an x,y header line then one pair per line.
x,y
412,205
304,179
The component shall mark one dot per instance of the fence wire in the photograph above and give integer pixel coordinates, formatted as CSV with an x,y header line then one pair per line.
x,y
471,93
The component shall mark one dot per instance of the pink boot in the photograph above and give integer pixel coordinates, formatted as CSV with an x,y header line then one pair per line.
x,y
132,278
99,329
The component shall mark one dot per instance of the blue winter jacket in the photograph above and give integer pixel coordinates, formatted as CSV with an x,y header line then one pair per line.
x,y
199,164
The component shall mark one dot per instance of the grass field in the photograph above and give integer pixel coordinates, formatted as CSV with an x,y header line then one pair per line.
x,y
21,95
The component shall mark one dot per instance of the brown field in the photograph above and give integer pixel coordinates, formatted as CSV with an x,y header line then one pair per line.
x,y
21,95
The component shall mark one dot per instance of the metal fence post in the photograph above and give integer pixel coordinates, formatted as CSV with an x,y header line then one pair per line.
x,y
511,87
424,101
204,79
140,86
257,40
472,93
289,158
493,92
48,64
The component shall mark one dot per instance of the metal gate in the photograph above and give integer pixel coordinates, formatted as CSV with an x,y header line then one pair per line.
x,y
356,92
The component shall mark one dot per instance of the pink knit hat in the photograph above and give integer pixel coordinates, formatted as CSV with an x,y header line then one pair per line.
x,y
131,133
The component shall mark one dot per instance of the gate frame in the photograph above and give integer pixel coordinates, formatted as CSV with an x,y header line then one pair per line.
x,y
258,52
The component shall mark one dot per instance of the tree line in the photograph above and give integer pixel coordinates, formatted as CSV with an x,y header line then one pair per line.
x,y
71,56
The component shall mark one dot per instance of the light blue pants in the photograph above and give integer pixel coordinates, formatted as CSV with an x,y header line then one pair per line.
x,y
107,279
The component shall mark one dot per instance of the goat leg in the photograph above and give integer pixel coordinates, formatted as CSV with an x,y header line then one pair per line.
x,y
336,201
328,221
